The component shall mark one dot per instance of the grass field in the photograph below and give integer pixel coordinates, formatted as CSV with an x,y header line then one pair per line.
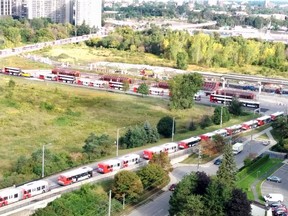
x,y
35,113
258,173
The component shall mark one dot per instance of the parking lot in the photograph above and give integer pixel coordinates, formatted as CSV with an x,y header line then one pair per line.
x,y
274,187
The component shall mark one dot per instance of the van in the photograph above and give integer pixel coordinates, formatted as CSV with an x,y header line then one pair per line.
x,y
273,197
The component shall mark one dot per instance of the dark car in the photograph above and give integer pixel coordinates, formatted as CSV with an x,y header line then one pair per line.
x,y
172,187
276,204
218,161
274,179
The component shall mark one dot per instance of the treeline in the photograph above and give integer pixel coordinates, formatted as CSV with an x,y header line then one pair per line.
x,y
15,32
200,49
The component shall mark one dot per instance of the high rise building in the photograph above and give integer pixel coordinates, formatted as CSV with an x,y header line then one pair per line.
x,y
58,11
88,11
5,7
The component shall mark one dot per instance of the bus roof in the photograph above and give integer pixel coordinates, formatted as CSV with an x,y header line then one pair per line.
x,y
77,171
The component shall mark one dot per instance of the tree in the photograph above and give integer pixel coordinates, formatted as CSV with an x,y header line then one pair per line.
x,y
162,160
221,111
134,137
227,170
280,126
127,183
216,197
151,133
203,181
235,107
97,146
143,89
192,126
183,88
238,205
152,176
165,126
125,86
184,189
182,60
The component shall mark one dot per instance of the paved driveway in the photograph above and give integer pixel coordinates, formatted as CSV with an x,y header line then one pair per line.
x,y
273,187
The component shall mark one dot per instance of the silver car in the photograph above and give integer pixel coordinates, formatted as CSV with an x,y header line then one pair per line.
x,y
274,179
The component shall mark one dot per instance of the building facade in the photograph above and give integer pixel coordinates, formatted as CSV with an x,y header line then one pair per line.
x,y
88,11
6,7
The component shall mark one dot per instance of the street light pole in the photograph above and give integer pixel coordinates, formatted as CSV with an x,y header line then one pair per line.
x,y
221,116
117,141
173,128
43,159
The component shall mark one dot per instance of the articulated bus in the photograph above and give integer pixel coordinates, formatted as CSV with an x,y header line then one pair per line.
x,y
214,98
12,71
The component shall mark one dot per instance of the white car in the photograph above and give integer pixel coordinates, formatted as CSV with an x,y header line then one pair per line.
x,y
273,197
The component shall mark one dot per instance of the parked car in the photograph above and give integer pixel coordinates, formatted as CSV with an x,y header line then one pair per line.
x,y
218,161
274,208
172,187
276,204
274,179
280,211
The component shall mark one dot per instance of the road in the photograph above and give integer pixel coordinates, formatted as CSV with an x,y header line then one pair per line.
x,y
160,205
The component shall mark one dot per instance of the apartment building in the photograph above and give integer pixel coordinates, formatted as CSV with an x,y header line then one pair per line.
x,y
6,7
89,11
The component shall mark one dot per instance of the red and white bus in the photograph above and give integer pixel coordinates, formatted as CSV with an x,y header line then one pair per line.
x,y
109,166
75,175
12,71
48,76
116,85
263,120
274,116
207,136
10,195
158,91
148,153
234,129
66,75
170,147
99,83
250,124
34,188
84,82
187,143
129,160
224,99
221,132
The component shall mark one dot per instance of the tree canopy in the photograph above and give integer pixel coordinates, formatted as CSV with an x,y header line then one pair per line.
x,y
165,126
221,112
183,88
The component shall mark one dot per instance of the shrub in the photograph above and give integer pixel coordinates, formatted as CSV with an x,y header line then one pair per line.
x,y
205,122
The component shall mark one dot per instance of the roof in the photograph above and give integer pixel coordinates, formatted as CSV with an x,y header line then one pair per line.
x,y
264,117
277,114
170,144
129,156
112,161
234,127
191,139
156,148
77,171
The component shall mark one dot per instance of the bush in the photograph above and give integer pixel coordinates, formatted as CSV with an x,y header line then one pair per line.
x,y
205,121
192,126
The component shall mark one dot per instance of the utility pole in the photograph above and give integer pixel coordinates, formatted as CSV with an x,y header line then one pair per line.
x,y
109,208
123,201
221,116
173,125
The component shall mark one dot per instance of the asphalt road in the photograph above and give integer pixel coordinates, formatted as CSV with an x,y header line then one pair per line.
x,y
160,205
273,187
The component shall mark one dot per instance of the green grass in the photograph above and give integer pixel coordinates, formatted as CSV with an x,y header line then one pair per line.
x,y
258,173
193,159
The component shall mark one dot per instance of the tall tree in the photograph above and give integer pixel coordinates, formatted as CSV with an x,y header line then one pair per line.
x,y
235,107
151,133
221,112
143,89
238,205
165,126
128,184
97,146
152,176
162,160
182,60
183,88
226,173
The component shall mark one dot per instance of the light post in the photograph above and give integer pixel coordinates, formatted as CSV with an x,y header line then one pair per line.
x,y
43,158
117,140
221,116
173,125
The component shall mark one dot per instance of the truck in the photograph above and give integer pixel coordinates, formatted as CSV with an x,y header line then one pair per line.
x,y
273,197
237,148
